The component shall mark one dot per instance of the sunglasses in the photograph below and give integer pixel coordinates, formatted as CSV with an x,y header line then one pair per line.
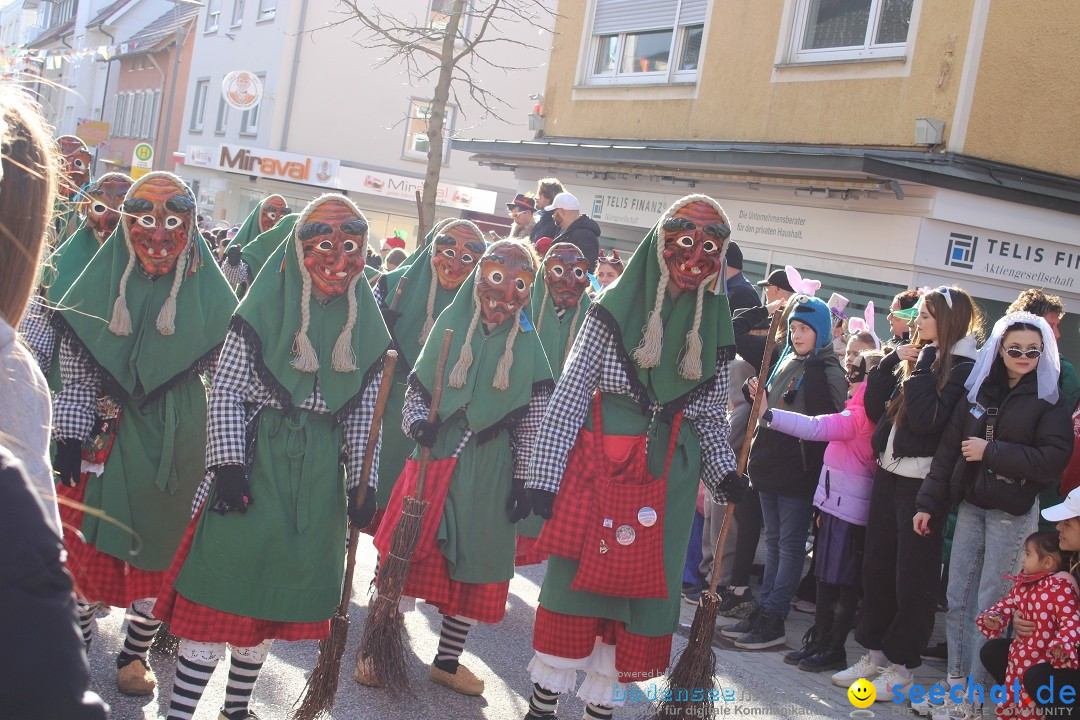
x,y
1017,353
948,296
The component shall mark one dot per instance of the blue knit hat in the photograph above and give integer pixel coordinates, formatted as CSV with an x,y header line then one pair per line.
x,y
816,314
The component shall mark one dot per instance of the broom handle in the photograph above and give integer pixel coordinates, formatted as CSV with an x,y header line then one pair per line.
x,y
365,472
433,411
402,282
744,452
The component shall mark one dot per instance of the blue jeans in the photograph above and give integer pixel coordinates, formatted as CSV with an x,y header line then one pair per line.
x,y
787,524
691,574
986,545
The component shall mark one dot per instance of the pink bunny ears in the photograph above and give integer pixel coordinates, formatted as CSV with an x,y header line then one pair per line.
x,y
865,324
801,286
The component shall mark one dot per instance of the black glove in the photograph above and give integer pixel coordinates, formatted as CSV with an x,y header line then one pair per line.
x,y
927,356
390,317
68,462
424,432
518,507
540,501
734,486
360,517
231,489
232,255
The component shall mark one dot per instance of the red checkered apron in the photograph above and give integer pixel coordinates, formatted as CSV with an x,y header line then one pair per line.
x,y
637,657
600,514
429,576
100,577
205,624
525,553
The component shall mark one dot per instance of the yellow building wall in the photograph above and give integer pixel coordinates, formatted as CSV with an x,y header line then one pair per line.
x,y
1026,105
738,100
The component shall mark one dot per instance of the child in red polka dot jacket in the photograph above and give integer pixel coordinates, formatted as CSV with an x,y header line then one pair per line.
x,y
1046,594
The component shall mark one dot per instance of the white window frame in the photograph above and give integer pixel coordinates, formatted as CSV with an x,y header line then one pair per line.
x,y
869,49
680,31
221,124
150,114
237,13
213,16
137,114
249,121
419,106
198,105
267,10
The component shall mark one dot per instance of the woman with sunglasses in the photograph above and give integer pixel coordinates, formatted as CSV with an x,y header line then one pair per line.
x,y
1009,440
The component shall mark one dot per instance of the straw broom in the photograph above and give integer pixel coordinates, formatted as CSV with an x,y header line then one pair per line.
x,y
321,688
382,644
696,666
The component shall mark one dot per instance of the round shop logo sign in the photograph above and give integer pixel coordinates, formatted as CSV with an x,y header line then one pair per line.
x,y
242,90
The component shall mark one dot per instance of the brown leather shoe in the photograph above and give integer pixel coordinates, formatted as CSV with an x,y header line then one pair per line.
x,y
365,673
462,681
136,678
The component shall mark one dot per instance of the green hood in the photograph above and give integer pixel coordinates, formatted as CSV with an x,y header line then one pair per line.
x,y
249,230
67,262
555,332
257,251
270,315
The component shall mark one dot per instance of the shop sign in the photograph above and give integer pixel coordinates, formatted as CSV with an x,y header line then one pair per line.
x,y
998,256
198,156
277,165
404,188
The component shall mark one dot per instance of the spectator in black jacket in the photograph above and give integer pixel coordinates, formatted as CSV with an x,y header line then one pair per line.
x,y
577,229
740,292
545,226
44,669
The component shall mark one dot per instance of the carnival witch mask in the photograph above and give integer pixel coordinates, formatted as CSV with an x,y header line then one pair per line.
x,y
273,209
159,215
565,274
104,198
76,170
694,244
503,282
333,236
457,249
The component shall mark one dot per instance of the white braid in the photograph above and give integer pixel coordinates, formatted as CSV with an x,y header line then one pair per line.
x,y
304,358
344,359
460,373
166,320
690,366
572,335
502,370
647,354
429,322
543,306
120,324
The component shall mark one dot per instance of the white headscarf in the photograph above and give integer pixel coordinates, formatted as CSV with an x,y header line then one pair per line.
x,y
1049,368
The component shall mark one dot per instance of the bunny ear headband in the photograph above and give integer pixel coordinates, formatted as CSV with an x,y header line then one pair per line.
x,y
800,285
865,324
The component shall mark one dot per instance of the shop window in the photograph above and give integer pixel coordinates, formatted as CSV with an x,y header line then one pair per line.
x,y
439,12
831,30
118,115
213,15
646,41
416,134
198,106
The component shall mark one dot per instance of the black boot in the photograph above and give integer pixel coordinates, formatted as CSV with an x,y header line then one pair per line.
x,y
830,656
812,643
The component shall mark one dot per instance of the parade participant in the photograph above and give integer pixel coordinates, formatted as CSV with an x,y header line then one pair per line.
x,y
63,267
292,402
492,400
138,329
656,345
75,173
609,267
262,218
451,251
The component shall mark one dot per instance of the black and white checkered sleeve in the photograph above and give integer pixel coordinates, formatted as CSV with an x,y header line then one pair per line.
x,y
708,414
416,408
73,410
226,414
357,428
523,435
569,405
236,274
377,291
37,332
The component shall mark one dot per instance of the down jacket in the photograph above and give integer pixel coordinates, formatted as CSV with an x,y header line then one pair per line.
x,y
1032,441
843,490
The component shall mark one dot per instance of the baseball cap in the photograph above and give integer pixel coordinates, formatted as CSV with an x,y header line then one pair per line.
x,y
564,201
778,278
734,255
1069,508
522,202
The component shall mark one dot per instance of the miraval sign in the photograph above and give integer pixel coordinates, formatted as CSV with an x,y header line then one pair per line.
x,y
277,165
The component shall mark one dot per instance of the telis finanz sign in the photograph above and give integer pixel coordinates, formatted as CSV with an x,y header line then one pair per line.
x,y
998,256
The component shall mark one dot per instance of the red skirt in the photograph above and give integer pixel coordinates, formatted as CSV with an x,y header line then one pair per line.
x,y
100,577
526,553
429,576
200,623
637,657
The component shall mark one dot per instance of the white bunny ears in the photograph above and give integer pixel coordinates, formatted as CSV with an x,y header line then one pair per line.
x,y
865,324
801,285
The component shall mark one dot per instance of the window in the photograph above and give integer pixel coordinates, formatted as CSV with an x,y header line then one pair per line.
x,y
237,13
830,30
198,105
416,135
267,9
137,114
213,14
646,41
118,115
249,121
150,114
222,116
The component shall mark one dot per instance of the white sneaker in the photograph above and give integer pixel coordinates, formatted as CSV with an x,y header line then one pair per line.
x,y
956,711
887,680
865,668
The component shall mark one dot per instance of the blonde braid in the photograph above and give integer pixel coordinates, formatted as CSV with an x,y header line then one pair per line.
x,y
502,370
460,373
166,320
647,354
543,307
690,366
304,358
344,359
430,321
572,334
120,324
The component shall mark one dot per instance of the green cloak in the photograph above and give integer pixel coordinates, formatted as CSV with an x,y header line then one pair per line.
x,y
555,332
249,230
59,272
257,251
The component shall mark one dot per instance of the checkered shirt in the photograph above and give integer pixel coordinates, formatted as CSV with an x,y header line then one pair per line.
x,y
237,396
522,433
37,332
236,274
594,363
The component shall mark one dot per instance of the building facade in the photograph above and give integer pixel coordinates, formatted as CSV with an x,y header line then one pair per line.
x,y
876,145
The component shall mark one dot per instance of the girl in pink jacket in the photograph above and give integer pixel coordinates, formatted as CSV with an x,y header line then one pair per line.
x,y
843,499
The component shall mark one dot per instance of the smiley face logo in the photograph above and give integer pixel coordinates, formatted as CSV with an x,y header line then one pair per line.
x,y
861,694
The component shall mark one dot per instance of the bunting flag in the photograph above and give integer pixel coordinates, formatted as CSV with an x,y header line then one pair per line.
x,y
53,59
